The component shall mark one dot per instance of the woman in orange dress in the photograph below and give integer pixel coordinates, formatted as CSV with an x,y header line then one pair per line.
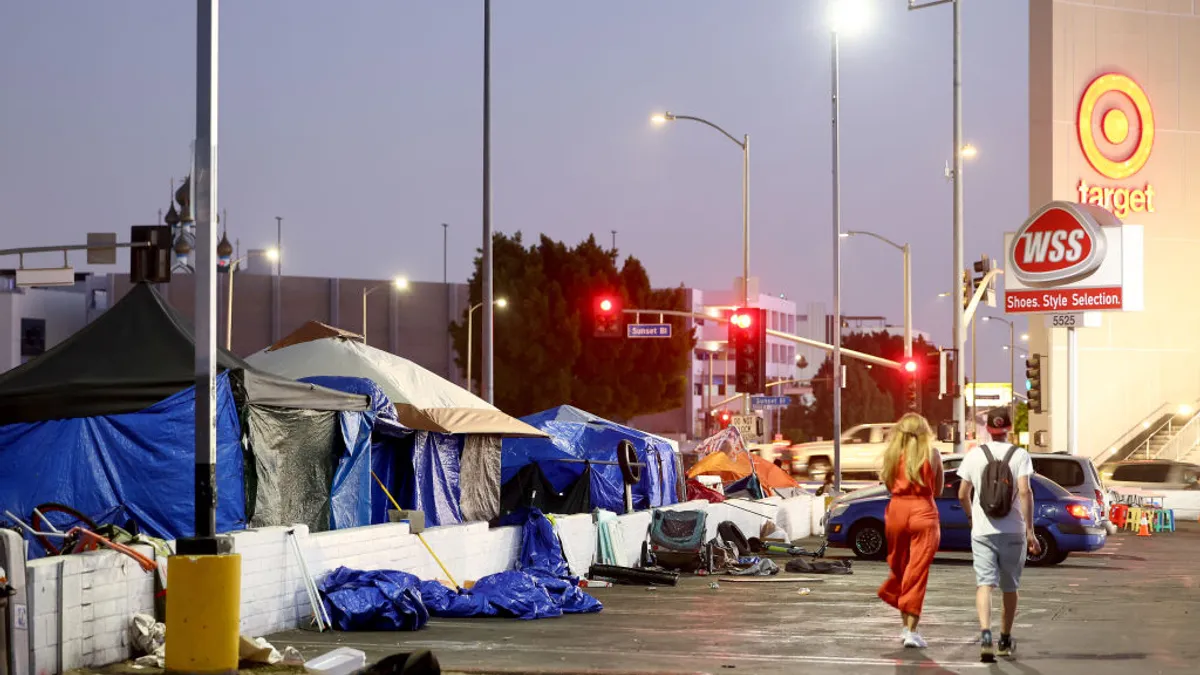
x,y
912,471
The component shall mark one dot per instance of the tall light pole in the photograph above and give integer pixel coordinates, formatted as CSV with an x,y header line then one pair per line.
x,y
906,250
499,302
399,283
957,263
1012,369
744,144
279,245
232,267
847,16
487,381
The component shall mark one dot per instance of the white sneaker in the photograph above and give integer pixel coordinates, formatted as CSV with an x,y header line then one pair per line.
x,y
915,641
904,633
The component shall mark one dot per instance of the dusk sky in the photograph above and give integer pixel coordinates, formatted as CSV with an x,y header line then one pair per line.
x,y
360,123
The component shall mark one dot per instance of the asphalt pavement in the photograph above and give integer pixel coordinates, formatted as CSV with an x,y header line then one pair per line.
x,y
1132,607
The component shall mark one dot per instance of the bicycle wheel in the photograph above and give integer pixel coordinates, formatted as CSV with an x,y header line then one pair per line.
x,y
62,518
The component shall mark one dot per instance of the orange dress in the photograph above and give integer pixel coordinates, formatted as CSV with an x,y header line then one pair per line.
x,y
913,533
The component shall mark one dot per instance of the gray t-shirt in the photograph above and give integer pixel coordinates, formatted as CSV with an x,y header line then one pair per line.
x,y
971,470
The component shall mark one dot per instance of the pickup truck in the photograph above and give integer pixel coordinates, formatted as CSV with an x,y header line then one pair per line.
x,y
862,452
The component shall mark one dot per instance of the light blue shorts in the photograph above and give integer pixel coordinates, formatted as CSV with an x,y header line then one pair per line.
x,y
999,560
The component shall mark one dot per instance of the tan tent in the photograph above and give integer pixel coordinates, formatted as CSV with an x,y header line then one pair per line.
x,y
423,400
314,330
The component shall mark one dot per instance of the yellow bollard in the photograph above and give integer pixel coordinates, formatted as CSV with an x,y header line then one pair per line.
x,y
203,601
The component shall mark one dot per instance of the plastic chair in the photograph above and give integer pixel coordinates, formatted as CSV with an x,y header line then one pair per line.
x,y
1134,518
1119,514
1166,520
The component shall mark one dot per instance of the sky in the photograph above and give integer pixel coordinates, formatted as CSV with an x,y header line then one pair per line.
x,y
360,123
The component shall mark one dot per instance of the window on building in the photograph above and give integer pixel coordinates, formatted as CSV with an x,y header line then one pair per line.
x,y
33,337
699,390
99,299
774,353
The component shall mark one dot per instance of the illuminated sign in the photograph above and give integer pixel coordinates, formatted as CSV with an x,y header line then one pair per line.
x,y
1116,134
1073,258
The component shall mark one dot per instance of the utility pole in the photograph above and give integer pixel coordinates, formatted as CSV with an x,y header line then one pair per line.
x,y
487,383
279,246
836,338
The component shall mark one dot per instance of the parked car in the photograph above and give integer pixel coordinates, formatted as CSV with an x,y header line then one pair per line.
x,y
1162,474
1077,474
1063,523
862,452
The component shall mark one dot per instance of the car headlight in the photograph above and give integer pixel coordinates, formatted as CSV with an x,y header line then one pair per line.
x,y
837,510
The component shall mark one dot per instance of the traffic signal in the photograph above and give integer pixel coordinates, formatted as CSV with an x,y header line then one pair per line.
x,y
150,261
1033,382
968,289
910,366
724,419
748,343
606,317
982,267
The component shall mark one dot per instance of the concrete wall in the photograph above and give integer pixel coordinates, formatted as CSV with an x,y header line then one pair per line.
x,y
1136,361
413,323
80,606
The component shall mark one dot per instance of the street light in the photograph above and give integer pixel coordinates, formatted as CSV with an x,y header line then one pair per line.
x,y
271,254
848,16
399,283
744,144
501,303
906,251
1012,373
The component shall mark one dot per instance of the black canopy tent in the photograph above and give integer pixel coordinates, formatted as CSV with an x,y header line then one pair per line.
x,y
137,353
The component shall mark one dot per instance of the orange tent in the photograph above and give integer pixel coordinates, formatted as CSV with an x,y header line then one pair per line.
x,y
735,468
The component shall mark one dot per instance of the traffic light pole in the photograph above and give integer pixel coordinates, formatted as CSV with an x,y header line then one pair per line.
x,y
837,268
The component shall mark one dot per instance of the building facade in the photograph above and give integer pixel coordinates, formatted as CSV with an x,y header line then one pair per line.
x,y
1135,362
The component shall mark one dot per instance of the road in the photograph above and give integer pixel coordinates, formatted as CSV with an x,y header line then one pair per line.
x,y
1133,607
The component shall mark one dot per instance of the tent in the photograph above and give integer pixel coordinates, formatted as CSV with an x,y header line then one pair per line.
x,y
423,400
122,385
577,434
450,467
729,459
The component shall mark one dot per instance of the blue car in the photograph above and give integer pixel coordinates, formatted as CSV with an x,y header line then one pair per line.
x,y
1063,523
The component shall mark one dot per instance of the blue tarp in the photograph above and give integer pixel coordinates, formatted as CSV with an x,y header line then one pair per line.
x,y
352,487
576,434
374,601
385,599
391,442
143,461
431,483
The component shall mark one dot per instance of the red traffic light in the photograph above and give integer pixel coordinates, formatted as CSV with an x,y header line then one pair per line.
x,y
910,366
606,305
740,320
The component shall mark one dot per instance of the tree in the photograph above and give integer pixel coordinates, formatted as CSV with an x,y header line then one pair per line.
x,y
874,393
545,351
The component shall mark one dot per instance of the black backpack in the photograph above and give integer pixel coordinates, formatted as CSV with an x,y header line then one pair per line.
x,y
998,487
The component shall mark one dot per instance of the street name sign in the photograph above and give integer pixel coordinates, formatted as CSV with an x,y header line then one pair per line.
x,y
648,330
770,401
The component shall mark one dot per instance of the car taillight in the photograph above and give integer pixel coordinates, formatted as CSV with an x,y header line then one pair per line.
x,y
1079,511
1100,498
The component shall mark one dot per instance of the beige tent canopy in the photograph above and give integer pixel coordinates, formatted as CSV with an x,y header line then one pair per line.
x,y
423,400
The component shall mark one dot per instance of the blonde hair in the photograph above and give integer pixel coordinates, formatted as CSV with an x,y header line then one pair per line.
x,y
911,437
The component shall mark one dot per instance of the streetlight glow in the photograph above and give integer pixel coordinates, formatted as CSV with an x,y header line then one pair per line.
x,y
848,17
400,283
1025,337
659,118
272,254
969,151
501,303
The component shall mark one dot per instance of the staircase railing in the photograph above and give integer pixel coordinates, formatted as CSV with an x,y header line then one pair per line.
x,y
1135,431
1184,440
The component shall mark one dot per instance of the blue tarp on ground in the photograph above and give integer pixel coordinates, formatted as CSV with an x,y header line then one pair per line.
x,y
143,461
576,434
392,600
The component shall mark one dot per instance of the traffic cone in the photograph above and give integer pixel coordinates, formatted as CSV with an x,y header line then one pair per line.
x,y
1144,527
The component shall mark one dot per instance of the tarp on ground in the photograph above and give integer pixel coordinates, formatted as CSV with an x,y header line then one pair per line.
x,y
134,355
143,461
423,400
577,434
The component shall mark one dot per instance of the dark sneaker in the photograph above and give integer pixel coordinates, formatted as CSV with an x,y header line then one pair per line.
x,y
1006,647
987,652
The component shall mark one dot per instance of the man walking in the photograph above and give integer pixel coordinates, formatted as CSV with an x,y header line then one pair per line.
x,y
996,492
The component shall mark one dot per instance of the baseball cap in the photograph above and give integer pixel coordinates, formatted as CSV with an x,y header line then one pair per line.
x,y
999,419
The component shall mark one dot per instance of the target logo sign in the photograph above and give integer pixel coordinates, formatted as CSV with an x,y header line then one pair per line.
x,y
1116,134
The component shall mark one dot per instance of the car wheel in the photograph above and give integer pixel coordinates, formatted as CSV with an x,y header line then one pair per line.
x,y
868,541
818,469
1049,554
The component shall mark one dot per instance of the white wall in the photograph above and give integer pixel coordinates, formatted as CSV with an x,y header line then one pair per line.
x,y
65,311
80,606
